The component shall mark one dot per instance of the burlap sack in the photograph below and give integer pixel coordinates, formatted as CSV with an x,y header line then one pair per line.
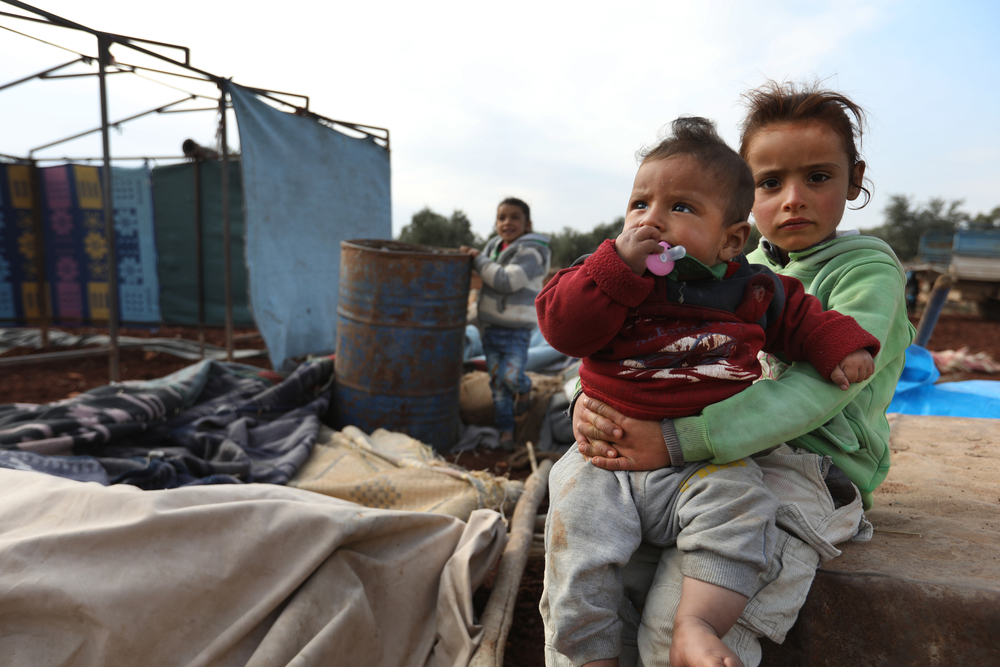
x,y
476,403
390,470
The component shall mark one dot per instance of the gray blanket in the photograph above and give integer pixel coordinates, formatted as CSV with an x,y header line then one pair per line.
x,y
210,423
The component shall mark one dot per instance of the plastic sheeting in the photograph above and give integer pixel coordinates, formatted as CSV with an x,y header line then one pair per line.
x,y
307,188
917,393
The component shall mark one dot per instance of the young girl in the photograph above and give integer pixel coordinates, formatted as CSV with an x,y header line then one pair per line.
x,y
512,266
823,451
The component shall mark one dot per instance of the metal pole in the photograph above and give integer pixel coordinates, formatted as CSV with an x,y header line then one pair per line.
x,y
104,59
42,74
199,257
939,295
227,259
159,109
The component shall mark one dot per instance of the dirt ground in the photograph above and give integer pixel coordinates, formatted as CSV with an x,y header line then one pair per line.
x,y
49,381
45,382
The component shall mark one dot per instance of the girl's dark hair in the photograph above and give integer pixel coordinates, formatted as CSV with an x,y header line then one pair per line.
x,y
774,103
521,204
697,137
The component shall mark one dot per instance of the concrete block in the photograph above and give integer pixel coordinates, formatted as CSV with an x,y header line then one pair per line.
x,y
926,589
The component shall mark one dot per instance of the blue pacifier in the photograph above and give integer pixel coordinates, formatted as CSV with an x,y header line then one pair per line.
x,y
663,263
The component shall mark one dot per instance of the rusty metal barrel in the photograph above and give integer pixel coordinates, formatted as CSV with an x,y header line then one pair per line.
x,y
400,338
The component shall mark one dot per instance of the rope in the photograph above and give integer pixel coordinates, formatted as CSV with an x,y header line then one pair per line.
x,y
24,34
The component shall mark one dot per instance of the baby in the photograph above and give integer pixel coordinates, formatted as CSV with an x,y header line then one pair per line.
x,y
664,347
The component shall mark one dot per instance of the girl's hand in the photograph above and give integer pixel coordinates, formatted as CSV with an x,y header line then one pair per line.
x,y
635,244
610,440
474,252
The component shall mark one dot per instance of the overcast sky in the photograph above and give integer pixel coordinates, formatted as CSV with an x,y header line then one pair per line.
x,y
547,101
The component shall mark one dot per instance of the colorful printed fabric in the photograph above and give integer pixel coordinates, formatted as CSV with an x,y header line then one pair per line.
x,y
18,245
135,245
76,250
209,423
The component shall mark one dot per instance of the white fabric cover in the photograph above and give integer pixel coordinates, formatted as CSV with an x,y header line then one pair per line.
x,y
232,575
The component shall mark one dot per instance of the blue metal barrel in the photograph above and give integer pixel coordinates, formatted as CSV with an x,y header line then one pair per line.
x,y
400,338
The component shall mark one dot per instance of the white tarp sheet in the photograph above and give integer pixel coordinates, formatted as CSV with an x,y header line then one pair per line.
x,y
252,574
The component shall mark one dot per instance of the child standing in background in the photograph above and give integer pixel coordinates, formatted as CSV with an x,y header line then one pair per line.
x,y
512,266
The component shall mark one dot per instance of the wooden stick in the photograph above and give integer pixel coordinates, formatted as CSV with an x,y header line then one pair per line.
x,y
499,610
531,457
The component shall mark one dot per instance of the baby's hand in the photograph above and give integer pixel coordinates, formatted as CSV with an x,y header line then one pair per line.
x,y
636,244
856,367
469,251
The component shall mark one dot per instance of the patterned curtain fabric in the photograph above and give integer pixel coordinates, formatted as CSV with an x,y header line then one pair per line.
x,y
76,249
19,282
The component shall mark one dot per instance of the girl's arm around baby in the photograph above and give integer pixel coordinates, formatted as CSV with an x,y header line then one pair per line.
x,y
808,332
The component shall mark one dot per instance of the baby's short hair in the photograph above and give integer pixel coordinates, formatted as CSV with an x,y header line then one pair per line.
x,y
697,137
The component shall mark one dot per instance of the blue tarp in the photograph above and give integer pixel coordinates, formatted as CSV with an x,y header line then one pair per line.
x,y
916,393
307,187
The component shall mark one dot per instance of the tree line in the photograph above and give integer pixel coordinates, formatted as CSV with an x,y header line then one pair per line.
x,y
429,228
904,222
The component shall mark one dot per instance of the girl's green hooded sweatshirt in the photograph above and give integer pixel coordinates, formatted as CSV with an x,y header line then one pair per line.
x,y
855,275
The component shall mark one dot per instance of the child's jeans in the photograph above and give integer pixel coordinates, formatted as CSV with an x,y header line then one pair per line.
x,y
506,353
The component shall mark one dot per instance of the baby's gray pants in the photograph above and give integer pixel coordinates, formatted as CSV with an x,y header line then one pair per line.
x,y
721,517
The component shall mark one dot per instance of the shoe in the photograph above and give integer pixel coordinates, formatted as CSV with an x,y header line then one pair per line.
x,y
523,404
507,442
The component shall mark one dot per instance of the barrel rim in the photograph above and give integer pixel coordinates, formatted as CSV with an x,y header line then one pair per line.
x,y
400,248
374,392
456,325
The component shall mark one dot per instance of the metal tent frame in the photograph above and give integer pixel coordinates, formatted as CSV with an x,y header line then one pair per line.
x,y
108,66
